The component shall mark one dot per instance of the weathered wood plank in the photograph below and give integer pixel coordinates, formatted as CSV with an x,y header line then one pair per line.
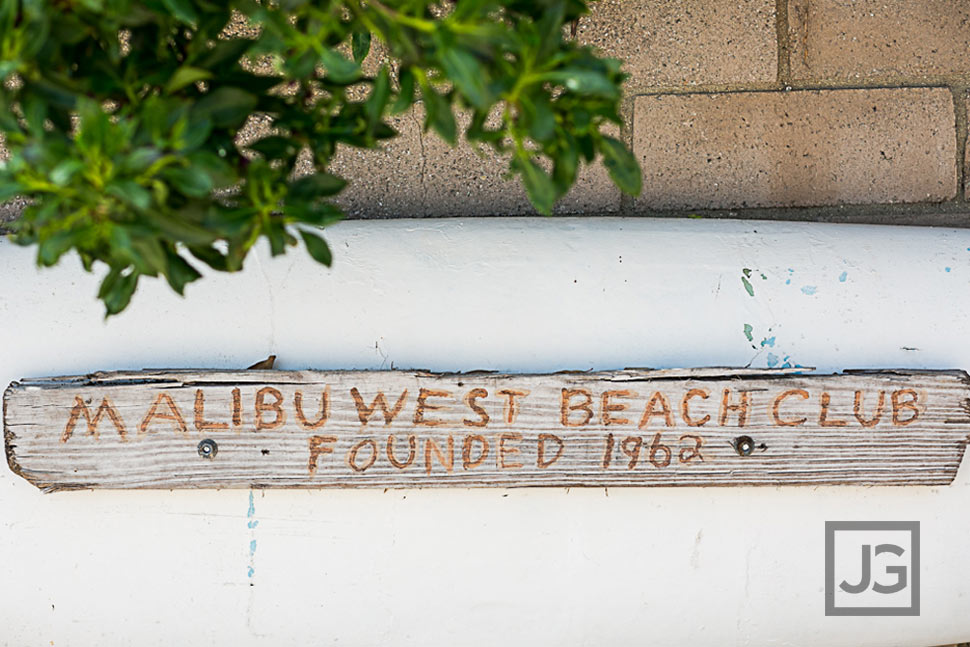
x,y
636,427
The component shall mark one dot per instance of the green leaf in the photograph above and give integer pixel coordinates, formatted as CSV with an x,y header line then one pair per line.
x,y
225,107
211,257
315,186
7,68
94,129
182,9
379,96
538,185
130,192
179,272
582,81
405,96
116,290
274,147
300,65
190,181
622,165
225,51
150,256
360,44
63,172
138,160
565,166
339,69
195,134
317,247
219,172
9,189
438,115
184,76
319,215
541,119
50,249
468,75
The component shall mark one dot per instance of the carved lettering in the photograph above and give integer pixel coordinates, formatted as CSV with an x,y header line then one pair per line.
x,y
470,400
823,415
319,445
467,461
566,407
651,410
877,414
776,405
506,450
511,404
173,414
685,404
200,422
447,461
262,407
371,458
608,407
364,412
423,406
541,461
742,408
106,409
412,449
322,415
912,403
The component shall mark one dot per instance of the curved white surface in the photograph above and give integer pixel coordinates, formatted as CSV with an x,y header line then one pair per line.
x,y
741,566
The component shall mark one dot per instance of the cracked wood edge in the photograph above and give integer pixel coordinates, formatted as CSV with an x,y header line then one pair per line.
x,y
927,451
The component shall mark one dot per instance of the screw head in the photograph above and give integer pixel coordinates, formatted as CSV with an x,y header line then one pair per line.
x,y
743,445
208,448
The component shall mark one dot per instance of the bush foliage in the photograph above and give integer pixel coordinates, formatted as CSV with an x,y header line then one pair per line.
x,y
122,116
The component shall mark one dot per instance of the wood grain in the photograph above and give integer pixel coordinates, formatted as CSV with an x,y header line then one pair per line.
x,y
314,429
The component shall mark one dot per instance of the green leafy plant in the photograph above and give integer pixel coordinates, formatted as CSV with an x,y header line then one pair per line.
x,y
122,116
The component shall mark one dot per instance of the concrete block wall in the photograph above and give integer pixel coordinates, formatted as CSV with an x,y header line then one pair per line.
x,y
785,109
790,109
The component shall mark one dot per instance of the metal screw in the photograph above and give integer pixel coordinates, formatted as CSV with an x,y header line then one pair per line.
x,y
743,445
208,448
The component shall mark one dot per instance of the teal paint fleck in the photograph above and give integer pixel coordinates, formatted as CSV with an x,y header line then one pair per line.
x,y
768,341
252,511
787,281
747,286
947,269
809,289
747,332
251,524
772,360
843,276
787,362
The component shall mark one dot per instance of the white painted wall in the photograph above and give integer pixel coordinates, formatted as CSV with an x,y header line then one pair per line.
x,y
740,566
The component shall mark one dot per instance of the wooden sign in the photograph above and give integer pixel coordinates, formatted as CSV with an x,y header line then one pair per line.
x,y
312,429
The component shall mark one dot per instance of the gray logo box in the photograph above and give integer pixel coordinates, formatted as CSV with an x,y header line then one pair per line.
x,y
876,597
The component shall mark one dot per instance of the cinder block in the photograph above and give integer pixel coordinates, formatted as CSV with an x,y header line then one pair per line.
x,y
871,39
683,42
802,148
418,174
